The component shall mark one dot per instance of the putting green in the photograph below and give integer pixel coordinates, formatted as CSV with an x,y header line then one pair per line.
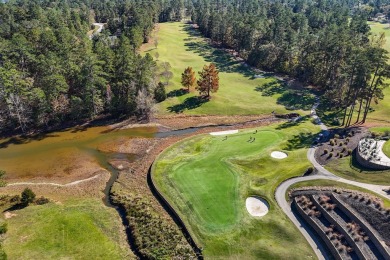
x,y
208,178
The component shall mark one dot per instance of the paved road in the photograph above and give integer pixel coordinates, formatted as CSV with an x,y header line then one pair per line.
x,y
322,174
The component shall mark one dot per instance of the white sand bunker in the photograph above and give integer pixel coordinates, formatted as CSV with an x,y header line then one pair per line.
x,y
229,132
278,155
257,206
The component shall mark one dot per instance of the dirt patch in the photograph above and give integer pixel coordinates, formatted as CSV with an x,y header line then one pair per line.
x,y
340,143
175,122
91,188
8,215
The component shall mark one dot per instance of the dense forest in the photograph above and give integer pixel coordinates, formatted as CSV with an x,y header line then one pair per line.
x,y
52,72
324,43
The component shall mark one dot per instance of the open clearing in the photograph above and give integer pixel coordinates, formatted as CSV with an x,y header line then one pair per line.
x,y
208,178
75,229
240,92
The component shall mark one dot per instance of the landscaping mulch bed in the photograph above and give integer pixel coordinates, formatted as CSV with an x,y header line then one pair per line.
x,y
367,208
340,143
374,213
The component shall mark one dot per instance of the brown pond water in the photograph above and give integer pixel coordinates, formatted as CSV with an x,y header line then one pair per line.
x,y
68,154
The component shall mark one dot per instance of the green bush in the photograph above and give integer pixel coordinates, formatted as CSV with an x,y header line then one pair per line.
x,y
332,142
326,151
160,93
3,228
42,200
349,151
28,196
330,155
336,136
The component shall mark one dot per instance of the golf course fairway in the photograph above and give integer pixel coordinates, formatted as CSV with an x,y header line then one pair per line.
x,y
207,179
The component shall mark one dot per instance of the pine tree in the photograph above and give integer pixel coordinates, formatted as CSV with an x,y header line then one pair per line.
x,y
208,81
188,78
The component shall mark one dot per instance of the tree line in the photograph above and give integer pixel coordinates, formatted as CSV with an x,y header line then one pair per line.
x,y
326,43
51,72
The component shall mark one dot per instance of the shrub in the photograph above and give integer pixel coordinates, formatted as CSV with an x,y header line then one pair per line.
x,y
330,155
3,228
349,151
28,196
160,93
344,149
341,144
349,134
42,200
326,151
332,142
336,136
347,139
337,154
15,199
309,170
341,155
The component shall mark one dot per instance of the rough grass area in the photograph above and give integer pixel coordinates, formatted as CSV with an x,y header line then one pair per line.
x,y
155,238
328,183
207,179
240,93
349,168
76,229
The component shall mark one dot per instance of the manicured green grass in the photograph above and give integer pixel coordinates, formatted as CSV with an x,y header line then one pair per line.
x,y
382,110
239,92
386,149
348,168
207,179
77,229
327,183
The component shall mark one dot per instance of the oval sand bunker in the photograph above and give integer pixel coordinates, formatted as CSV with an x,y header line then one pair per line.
x,y
256,206
278,155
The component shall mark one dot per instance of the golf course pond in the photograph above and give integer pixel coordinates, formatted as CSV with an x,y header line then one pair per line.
x,y
60,154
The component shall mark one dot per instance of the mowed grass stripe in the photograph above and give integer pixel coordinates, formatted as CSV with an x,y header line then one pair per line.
x,y
239,92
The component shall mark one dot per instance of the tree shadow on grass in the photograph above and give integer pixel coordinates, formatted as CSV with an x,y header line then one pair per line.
x,y
223,60
177,92
188,104
292,123
302,140
272,88
294,99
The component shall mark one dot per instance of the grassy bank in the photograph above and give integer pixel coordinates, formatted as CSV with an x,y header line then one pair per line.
x,y
240,93
75,229
207,180
349,168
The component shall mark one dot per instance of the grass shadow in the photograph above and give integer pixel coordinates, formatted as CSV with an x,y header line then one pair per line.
x,y
293,100
301,140
177,92
223,60
188,104
292,123
272,88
